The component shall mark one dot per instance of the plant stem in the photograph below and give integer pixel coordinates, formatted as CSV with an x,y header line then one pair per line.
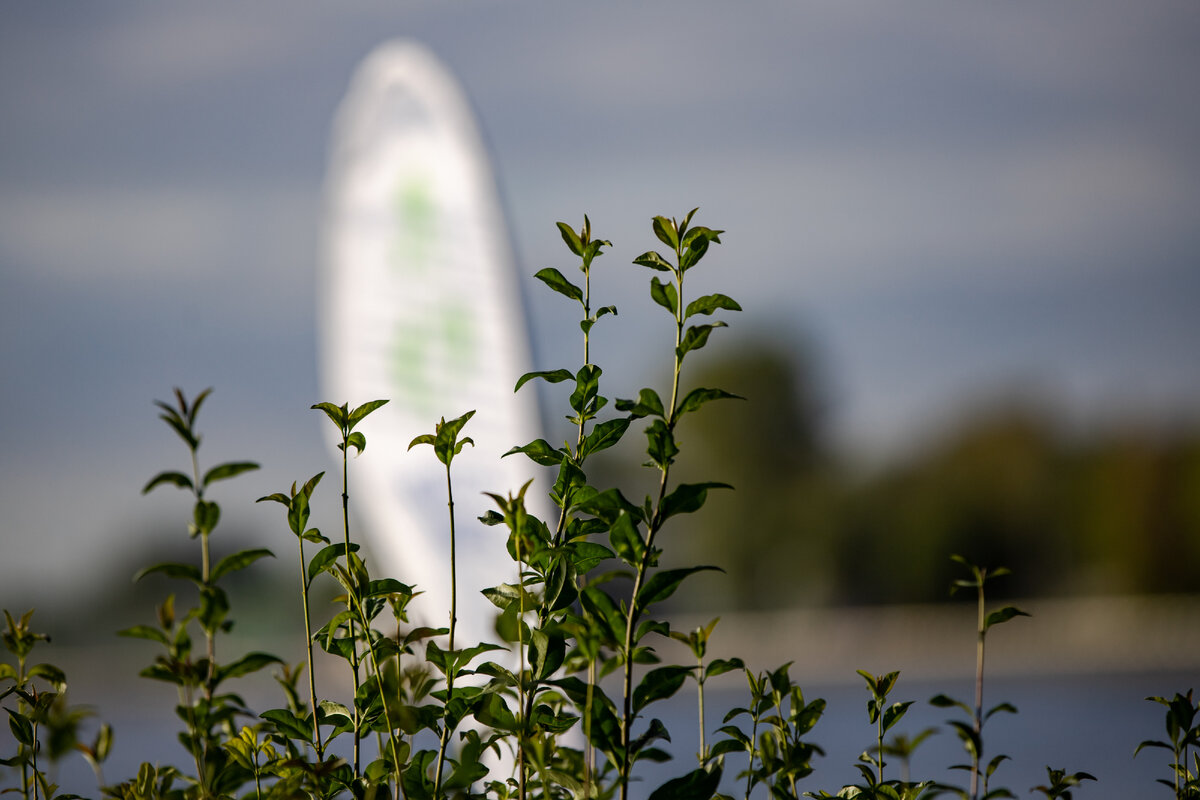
x,y
312,680
879,742
201,749
978,723
654,524
445,735
522,730
354,661
387,717
700,702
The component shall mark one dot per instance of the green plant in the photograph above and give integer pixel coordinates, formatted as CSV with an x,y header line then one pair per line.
x,y
297,505
574,703
1183,734
777,755
697,641
871,762
970,732
611,633
1060,784
41,719
208,714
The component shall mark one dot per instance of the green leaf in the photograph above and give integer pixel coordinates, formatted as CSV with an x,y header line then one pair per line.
x,y
550,376
664,583
356,440
174,478
570,478
146,632
894,713
699,784
1008,708
710,303
21,727
626,540
205,516
251,662
587,385
1003,615
655,732
698,397
494,713
559,283
49,673
654,261
289,724
571,238
665,295
659,684
687,498
171,570
696,245
720,666
606,505
223,471
603,436
587,555
666,231
387,586
602,609
728,746
541,452
338,414
326,557
696,337
648,404
661,445
237,561
546,653
357,415
945,701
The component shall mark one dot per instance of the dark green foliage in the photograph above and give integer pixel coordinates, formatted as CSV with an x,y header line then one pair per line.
x,y
1060,784
583,603
1183,740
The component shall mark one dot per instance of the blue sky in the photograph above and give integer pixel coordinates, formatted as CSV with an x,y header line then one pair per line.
x,y
949,201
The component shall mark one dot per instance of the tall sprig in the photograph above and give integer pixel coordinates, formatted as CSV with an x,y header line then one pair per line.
x,y
346,420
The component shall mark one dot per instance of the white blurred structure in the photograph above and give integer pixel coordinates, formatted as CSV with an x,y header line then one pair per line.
x,y
420,305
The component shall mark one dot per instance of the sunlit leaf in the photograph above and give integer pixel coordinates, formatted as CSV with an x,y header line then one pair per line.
x,y
356,416
550,376
559,283
540,452
666,232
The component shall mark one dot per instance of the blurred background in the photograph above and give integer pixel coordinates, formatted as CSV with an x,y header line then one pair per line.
x,y
965,238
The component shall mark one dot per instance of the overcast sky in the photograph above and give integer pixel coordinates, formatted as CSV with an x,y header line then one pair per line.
x,y
945,200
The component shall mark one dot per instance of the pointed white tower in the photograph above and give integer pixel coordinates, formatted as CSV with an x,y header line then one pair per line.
x,y
420,305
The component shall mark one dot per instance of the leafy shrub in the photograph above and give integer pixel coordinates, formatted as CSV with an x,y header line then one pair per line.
x,y
570,714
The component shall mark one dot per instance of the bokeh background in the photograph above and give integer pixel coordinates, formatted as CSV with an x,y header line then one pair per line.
x,y
965,238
